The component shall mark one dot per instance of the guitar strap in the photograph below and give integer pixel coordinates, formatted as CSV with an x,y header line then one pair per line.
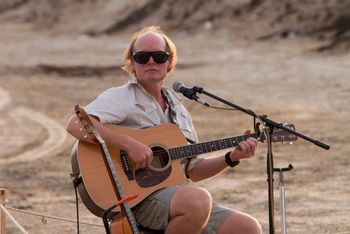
x,y
172,113
173,120
171,105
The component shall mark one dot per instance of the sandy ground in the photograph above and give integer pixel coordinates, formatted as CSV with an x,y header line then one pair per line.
x,y
285,80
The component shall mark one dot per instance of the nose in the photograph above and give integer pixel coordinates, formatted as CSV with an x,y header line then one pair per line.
x,y
150,60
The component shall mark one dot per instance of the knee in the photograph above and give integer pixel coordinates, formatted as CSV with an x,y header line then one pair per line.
x,y
198,198
196,201
253,226
240,223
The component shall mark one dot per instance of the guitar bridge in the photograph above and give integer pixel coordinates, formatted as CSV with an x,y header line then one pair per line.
x,y
126,165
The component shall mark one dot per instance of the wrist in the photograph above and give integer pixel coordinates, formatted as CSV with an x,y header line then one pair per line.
x,y
229,161
128,143
234,156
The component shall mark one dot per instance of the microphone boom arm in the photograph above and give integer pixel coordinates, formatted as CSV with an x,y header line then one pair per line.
x,y
269,122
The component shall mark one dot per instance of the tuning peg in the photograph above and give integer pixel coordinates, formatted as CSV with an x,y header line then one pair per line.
x,y
287,142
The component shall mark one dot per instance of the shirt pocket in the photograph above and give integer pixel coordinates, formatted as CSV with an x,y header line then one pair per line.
x,y
146,115
185,124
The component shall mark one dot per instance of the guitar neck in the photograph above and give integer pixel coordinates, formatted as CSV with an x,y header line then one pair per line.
x,y
207,147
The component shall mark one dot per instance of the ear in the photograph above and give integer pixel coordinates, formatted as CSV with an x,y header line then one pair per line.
x,y
132,66
170,65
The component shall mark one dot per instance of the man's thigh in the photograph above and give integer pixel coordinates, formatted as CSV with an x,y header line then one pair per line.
x,y
153,212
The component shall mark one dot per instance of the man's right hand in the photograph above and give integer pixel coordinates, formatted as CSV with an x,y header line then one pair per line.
x,y
140,154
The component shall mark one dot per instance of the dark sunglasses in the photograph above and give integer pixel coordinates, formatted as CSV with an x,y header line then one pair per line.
x,y
142,57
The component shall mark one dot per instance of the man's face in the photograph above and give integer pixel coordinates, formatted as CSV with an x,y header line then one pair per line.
x,y
151,71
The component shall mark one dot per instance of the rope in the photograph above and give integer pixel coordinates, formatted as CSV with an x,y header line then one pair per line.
x,y
51,217
13,219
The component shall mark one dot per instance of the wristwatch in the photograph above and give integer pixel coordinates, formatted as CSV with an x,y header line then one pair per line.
x,y
229,161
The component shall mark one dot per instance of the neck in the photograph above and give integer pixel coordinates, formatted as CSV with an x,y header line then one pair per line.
x,y
155,90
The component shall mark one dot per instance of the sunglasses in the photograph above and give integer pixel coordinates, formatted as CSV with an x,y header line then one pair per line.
x,y
142,57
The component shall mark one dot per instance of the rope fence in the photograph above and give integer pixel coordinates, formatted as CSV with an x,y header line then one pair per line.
x,y
4,212
3,209
51,217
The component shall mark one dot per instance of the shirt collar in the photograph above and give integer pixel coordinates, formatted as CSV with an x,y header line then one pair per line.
x,y
133,81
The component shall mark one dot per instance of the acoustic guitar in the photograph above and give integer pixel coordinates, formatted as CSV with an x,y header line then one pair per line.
x,y
169,147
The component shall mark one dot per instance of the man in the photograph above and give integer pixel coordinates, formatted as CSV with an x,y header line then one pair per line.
x,y
144,102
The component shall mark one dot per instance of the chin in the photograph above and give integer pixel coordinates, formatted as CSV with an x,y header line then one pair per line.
x,y
155,78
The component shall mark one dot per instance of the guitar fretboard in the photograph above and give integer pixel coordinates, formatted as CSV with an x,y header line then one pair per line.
x,y
207,147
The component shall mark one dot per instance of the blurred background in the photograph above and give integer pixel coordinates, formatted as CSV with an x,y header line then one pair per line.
x,y
287,59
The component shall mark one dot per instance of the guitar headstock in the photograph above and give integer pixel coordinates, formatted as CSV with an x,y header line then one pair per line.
x,y
87,124
280,135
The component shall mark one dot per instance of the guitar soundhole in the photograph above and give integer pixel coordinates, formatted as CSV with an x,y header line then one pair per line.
x,y
157,171
160,157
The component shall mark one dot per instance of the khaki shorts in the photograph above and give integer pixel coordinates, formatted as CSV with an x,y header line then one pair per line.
x,y
153,212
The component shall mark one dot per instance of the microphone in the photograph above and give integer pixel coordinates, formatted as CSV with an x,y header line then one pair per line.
x,y
179,87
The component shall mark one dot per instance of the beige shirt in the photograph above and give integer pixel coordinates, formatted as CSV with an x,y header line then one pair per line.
x,y
131,106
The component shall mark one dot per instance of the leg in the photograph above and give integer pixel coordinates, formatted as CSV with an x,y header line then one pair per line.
x,y
239,222
189,210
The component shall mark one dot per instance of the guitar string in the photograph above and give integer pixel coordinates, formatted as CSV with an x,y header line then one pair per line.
x,y
221,143
164,153
177,153
180,150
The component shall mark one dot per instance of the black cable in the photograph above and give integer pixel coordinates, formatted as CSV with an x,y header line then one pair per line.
x,y
105,218
77,206
76,180
221,108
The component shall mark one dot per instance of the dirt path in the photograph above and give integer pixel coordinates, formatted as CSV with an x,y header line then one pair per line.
x,y
5,98
53,143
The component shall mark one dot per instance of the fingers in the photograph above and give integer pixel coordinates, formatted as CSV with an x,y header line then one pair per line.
x,y
248,147
148,159
143,159
140,154
250,144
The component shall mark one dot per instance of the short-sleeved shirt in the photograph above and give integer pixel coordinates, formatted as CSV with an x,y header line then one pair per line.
x,y
131,106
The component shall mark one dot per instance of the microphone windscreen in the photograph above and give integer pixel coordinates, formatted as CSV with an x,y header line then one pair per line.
x,y
177,85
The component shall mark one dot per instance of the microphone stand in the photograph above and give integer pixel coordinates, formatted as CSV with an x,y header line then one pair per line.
x,y
270,124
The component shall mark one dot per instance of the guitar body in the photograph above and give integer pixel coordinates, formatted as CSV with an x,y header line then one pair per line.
x,y
96,189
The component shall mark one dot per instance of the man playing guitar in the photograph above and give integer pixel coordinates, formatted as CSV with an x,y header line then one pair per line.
x,y
143,103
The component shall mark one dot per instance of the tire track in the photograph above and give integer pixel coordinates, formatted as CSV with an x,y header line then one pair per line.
x,y
52,145
5,98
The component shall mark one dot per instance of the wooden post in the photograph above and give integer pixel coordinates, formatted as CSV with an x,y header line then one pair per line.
x,y
2,214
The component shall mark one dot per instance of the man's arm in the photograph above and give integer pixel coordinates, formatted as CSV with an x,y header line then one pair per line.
x,y
211,166
138,152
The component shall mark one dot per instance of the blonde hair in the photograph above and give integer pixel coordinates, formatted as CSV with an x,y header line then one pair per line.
x,y
170,47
